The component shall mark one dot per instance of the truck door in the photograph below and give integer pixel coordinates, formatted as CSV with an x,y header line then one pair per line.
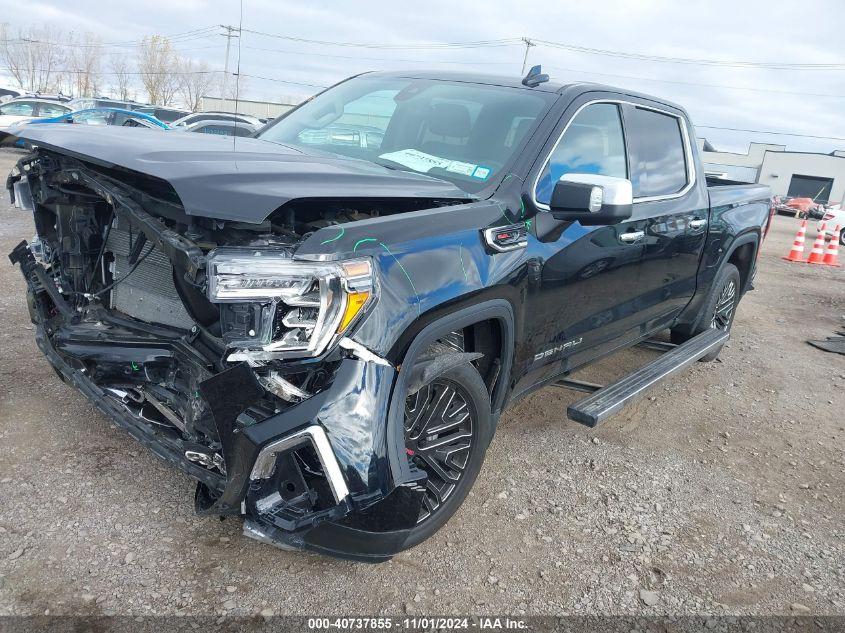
x,y
672,203
584,296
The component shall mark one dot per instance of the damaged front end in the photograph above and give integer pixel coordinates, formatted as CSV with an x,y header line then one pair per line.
x,y
228,357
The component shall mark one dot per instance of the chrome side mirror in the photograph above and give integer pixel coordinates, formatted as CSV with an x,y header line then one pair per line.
x,y
592,199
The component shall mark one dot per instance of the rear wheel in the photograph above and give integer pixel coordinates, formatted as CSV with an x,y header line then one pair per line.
x,y
719,310
447,429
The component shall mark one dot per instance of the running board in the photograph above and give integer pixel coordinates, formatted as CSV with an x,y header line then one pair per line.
x,y
608,400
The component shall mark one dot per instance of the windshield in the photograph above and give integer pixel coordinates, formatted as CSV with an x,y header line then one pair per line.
x,y
462,132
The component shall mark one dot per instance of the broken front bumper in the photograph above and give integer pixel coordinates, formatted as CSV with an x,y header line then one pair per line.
x,y
373,497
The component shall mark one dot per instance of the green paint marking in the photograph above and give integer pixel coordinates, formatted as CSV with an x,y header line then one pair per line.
x,y
521,208
528,225
135,366
461,255
359,242
337,237
402,268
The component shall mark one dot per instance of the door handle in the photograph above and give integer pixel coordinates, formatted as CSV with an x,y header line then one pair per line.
x,y
631,236
697,224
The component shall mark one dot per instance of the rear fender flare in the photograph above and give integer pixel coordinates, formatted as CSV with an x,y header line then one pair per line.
x,y
749,237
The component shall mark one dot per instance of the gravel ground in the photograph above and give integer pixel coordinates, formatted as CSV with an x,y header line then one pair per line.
x,y
722,492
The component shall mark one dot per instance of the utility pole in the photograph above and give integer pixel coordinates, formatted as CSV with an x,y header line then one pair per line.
x,y
229,34
528,44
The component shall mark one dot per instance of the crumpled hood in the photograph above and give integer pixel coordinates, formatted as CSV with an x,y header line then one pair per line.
x,y
244,180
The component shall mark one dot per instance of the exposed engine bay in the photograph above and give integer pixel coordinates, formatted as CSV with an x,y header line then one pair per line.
x,y
163,312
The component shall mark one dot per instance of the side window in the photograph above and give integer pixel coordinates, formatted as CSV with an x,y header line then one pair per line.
x,y
18,108
592,144
92,118
656,148
51,110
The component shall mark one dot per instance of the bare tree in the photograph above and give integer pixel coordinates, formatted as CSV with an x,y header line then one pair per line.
x,y
33,57
122,73
157,69
195,80
85,64
231,90
234,87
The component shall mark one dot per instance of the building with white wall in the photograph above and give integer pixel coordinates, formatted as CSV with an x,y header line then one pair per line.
x,y
260,109
795,174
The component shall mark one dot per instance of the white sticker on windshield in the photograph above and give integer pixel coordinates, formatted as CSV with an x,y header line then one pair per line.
x,y
420,161
464,169
416,160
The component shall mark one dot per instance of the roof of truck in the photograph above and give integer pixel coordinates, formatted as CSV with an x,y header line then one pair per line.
x,y
516,82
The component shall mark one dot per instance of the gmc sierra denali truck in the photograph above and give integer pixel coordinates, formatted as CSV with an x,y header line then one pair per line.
x,y
324,323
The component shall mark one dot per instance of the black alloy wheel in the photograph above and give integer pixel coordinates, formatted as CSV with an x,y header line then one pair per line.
x,y
439,438
725,305
718,311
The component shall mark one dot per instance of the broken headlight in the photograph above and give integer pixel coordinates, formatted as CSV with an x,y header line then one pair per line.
x,y
284,307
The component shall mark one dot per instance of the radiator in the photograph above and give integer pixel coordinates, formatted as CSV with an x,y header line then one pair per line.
x,y
148,294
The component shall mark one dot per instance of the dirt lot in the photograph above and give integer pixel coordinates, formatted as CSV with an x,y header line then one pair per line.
x,y
720,493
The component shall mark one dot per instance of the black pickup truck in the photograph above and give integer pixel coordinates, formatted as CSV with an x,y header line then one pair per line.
x,y
324,323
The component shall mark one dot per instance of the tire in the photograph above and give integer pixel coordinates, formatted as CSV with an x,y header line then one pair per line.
x,y
717,312
422,415
842,237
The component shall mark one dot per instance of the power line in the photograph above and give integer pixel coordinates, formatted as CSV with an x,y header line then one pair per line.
x,y
697,84
687,60
283,81
528,42
737,129
511,41
178,38
377,59
557,68
182,72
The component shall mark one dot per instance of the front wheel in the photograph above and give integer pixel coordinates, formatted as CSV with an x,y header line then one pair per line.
x,y
718,311
448,424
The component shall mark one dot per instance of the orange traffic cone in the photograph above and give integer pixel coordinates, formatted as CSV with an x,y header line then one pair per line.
x,y
831,257
817,254
797,252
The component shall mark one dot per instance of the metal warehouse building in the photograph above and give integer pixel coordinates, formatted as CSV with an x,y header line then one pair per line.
x,y
260,109
797,174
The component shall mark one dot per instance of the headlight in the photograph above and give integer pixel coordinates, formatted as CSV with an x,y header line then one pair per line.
x,y
305,306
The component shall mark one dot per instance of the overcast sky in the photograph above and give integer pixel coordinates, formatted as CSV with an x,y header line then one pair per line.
x,y
809,31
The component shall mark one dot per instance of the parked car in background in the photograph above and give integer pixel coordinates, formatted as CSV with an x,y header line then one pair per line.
x,y
25,109
168,115
221,128
800,207
106,116
9,93
216,116
834,216
87,103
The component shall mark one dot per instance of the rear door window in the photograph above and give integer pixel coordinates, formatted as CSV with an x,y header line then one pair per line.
x,y
656,152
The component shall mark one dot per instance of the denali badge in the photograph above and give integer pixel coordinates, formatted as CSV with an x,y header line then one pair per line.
x,y
557,349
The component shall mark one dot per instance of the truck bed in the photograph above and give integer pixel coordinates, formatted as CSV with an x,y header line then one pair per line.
x,y
730,192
